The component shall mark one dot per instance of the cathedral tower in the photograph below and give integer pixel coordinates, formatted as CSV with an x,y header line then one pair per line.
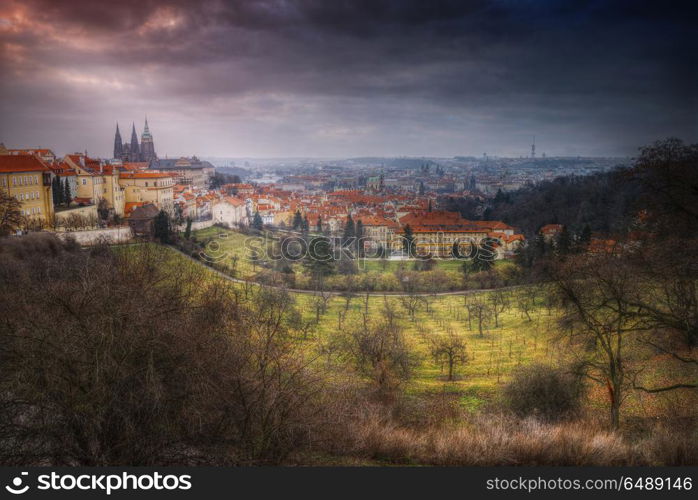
x,y
134,152
147,145
118,145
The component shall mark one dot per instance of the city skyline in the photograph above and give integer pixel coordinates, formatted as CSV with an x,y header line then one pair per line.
x,y
266,79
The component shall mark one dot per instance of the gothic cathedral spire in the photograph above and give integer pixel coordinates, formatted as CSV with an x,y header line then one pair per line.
x,y
134,153
147,145
118,145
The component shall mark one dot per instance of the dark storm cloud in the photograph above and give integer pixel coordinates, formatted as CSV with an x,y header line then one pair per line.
x,y
350,77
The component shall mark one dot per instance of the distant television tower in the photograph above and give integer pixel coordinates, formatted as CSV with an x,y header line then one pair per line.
x,y
533,147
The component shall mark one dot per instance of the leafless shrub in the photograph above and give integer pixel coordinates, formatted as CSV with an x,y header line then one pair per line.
x,y
544,392
116,357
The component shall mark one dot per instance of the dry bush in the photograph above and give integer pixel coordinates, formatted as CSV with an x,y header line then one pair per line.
x,y
493,440
670,447
122,358
543,392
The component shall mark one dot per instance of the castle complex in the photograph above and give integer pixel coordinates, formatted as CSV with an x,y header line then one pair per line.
x,y
132,151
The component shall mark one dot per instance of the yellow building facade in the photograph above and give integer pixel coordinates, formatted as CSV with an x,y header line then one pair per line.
x,y
28,179
96,181
149,187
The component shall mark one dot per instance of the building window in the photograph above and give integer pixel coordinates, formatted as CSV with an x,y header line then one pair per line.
x,y
84,182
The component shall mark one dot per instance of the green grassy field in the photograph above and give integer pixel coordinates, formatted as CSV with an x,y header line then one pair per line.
x,y
233,251
518,339
515,341
492,356
227,248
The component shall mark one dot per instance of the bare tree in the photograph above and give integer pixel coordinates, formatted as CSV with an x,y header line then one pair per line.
x,y
447,349
525,303
115,358
11,218
596,297
498,304
381,353
481,311
411,302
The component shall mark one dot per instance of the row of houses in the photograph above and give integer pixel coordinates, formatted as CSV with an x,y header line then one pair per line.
x,y
122,188
86,184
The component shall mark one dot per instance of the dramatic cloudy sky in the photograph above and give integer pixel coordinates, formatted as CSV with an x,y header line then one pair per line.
x,y
271,78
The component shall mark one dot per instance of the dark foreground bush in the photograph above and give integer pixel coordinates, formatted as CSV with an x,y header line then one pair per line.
x,y
126,357
543,392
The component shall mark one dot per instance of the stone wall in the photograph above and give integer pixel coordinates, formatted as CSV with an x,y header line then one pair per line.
x,y
120,234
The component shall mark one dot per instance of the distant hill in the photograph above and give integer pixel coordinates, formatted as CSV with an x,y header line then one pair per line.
x,y
605,201
243,173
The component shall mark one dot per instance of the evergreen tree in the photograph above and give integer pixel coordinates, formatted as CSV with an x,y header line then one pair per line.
x,y
540,247
408,241
319,260
421,188
178,214
161,227
318,226
257,222
297,220
349,230
455,249
585,237
67,195
187,231
484,259
359,237
56,191
305,225
563,243
103,209
465,268
523,255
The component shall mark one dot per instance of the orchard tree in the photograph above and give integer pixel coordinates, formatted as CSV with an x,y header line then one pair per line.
x,y
449,350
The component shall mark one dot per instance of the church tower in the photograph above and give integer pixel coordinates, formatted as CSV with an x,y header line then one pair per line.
x,y
118,145
134,153
147,145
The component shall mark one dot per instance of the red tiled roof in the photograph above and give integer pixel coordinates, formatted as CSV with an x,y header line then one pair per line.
x,y
131,206
22,163
130,166
144,175
237,202
551,229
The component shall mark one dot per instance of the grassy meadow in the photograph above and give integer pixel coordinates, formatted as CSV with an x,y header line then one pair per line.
x,y
525,332
233,252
